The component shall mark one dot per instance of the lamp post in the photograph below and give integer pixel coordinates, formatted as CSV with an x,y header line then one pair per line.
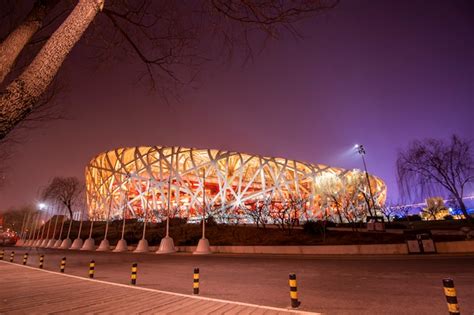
x,y
203,244
104,245
89,243
39,238
20,241
46,241
29,242
122,243
167,244
52,241
142,246
60,240
361,150
78,242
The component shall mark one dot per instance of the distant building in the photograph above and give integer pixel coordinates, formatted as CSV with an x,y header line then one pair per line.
x,y
141,180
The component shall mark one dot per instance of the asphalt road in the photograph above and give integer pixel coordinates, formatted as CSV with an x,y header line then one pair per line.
x,y
327,284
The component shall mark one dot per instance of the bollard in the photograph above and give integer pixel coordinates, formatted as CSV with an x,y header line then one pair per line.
x,y
293,291
91,269
1,254
451,298
134,274
25,258
41,262
63,264
196,281
12,256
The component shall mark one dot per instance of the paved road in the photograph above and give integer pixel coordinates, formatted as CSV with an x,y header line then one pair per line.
x,y
327,284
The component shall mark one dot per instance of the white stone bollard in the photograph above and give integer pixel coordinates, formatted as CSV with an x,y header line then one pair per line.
x,y
166,246
142,247
89,244
66,243
121,246
77,244
104,246
203,247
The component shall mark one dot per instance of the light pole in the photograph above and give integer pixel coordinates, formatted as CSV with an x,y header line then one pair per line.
x,y
167,244
29,242
60,240
46,241
142,246
20,241
52,241
122,243
77,243
203,244
39,238
361,150
104,245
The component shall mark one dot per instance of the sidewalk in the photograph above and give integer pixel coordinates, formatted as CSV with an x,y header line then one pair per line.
x,y
28,290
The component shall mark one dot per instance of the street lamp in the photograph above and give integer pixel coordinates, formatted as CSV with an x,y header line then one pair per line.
x,y
361,150
203,244
167,243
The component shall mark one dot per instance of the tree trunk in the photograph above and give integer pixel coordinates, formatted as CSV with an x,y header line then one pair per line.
x,y
11,47
70,211
21,96
464,210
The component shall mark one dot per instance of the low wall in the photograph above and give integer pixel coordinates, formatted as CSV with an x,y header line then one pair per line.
x,y
373,249
455,247
378,249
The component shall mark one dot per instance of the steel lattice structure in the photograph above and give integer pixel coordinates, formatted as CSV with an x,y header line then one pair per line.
x,y
139,180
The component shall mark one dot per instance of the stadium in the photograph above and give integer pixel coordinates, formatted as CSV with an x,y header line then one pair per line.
x,y
147,182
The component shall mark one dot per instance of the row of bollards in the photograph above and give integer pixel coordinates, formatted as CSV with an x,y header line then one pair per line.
x,y
448,284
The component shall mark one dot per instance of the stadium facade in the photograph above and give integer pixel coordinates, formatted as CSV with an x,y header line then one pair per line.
x,y
140,182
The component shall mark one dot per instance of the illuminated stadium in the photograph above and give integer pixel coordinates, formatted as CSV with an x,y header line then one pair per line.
x,y
141,182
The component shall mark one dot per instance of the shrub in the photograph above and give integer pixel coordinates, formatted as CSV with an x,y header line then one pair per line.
x,y
414,217
177,221
210,221
314,227
448,217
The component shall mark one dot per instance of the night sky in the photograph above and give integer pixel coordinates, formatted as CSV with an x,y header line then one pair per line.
x,y
380,73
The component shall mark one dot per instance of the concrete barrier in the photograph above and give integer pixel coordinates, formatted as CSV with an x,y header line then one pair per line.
x,y
455,247
378,249
369,249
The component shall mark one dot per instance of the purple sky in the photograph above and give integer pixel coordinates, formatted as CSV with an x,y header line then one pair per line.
x,y
379,73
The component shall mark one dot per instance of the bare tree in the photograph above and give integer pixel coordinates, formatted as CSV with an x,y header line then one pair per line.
x,y
286,214
161,34
345,196
68,191
14,218
389,211
259,211
435,209
432,166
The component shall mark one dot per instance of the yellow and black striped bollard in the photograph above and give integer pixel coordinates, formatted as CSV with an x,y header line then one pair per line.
x,y
25,258
63,264
133,277
41,261
451,298
12,256
196,281
91,269
1,254
293,291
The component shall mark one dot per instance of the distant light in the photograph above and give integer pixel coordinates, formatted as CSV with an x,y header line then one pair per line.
x,y
360,149
41,206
